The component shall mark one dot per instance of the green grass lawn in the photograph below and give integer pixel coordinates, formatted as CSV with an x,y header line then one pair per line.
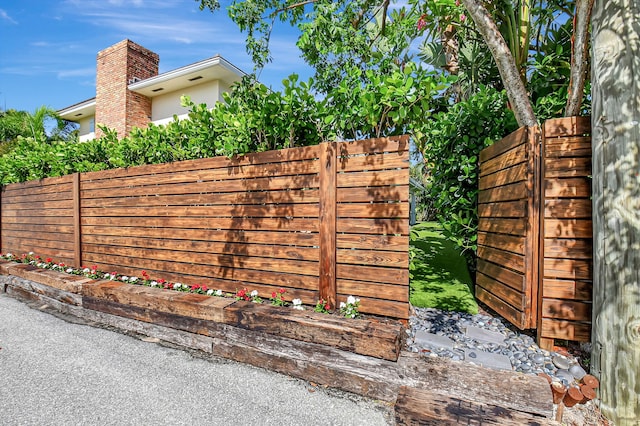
x,y
441,278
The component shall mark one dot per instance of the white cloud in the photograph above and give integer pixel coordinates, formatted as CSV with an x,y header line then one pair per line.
x,y
4,15
80,72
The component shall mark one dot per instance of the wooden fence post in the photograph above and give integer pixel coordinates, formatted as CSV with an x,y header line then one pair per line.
x,y
77,238
327,217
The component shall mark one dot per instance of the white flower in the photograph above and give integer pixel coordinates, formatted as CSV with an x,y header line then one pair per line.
x,y
297,304
254,293
124,278
133,279
209,292
185,287
86,270
9,255
30,253
69,270
153,283
176,286
343,305
112,277
351,300
218,292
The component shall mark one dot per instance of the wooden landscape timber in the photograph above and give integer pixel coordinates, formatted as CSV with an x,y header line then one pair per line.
x,y
535,232
272,337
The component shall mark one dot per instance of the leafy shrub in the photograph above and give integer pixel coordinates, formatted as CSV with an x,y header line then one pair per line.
x,y
450,143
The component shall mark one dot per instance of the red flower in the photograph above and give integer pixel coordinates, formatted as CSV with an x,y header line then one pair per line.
x,y
161,281
422,23
48,260
273,294
195,287
204,288
282,291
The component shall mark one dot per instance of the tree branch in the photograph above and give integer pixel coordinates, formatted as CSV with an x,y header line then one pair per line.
x,y
579,57
517,93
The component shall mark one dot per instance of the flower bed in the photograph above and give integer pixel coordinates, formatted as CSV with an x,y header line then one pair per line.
x,y
188,306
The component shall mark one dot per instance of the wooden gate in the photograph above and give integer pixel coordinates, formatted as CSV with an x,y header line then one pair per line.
x,y
534,232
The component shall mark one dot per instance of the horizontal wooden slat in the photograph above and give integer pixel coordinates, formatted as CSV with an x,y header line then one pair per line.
x,y
260,184
507,311
269,224
271,210
568,228
515,280
579,187
191,272
503,209
567,126
209,247
505,258
514,298
568,268
508,159
571,146
373,290
64,244
227,236
568,248
42,204
389,308
570,310
15,202
373,226
502,226
567,167
372,273
394,144
569,330
373,162
567,208
373,194
39,185
212,176
372,179
309,196
50,220
211,259
38,228
514,191
291,154
567,289
504,177
503,242
503,145
373,257
373,210
372,242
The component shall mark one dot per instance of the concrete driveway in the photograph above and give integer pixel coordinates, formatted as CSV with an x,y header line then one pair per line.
x,y
61,371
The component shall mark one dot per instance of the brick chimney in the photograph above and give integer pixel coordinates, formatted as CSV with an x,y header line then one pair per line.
x,y
116,106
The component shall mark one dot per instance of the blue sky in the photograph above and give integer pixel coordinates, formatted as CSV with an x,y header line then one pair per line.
x,y
49,47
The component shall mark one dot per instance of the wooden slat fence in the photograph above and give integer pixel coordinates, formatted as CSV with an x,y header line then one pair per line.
x,y
323,221
534,239
506,278
566,232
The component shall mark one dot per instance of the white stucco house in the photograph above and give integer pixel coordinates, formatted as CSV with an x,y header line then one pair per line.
x,y
131,93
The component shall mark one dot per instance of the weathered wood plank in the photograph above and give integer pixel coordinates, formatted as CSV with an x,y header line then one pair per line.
x,y
185,304
374,161
373,226
568,208
570,146
373,257
567,126
511,209
505,144
503,242
398,145
373,273
568,228
373,179
567,289
568,248
373,242
207,212
514,316
511,192
377,194
376,306
399,293
568,268
570,310
327,224
513,297
505,258
373,210
569,330
509,158
512,278
502,226
503,177
578,187
424,407
567,167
